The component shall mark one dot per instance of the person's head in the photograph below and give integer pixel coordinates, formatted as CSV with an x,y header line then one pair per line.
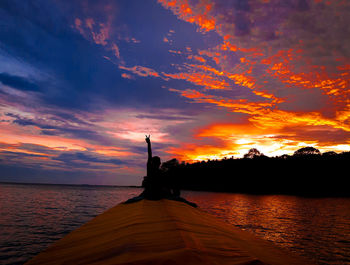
x,y
156,161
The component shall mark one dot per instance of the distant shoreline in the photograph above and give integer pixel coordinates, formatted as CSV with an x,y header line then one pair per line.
x,y
63,184
298,194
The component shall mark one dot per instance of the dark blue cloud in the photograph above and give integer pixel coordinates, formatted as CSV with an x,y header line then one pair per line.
x,y
37,148
241,5
73,158
21,155
163,117
242,23
60,166
81,130
27,122
17,82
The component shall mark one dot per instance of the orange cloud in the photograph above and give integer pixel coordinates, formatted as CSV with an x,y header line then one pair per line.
x,y
199,58
99,32
101,36
290,67
127,76
16,147
201,79
208,68
263,116
234,140
116,50
89,22
228,130
190,93
197,152
176,52
78,26
237,139
242,77
308,76
140,71
182,9
113,151
243,80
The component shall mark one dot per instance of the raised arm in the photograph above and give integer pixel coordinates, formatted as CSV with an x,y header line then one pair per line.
x,y
148,141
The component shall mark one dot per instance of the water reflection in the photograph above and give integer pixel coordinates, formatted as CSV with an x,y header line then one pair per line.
x,y
34,216
318,228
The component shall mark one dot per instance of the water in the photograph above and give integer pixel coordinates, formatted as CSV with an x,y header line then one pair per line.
x,y
34,216
317,228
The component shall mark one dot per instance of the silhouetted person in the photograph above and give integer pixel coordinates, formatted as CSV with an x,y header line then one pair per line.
x,y
156,184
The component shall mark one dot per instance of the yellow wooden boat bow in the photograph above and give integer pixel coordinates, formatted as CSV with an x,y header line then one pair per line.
x,y
162,232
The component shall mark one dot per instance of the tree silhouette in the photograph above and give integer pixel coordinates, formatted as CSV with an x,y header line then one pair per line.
x,y
329,153
170,164
285,156
305,151
307,173
253,152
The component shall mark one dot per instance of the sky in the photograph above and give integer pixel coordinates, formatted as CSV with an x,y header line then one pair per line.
x,y
82,82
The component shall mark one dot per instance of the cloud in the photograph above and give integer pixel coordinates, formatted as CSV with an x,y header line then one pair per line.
x,y
32,155
50,125
232,74
78,88
116,50
167,117
79,26
185,11
74,158
236,139
18,82
99,32
175,52
201,79
262,31
96,141
264,117
272,51
199,58
140,71
127,76
37,163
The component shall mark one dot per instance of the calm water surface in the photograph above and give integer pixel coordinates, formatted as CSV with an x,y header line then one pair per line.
x,y
34,216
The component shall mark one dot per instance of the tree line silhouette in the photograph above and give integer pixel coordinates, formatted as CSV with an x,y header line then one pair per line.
x,y
307,172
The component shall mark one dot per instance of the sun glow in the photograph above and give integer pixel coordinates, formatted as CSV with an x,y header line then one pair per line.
x,y
236,140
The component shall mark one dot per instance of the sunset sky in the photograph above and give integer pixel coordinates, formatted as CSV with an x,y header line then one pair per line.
x,y
83,81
